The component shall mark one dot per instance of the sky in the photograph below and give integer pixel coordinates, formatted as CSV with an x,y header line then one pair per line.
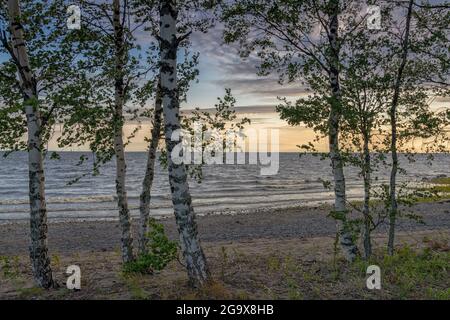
x,y
221,67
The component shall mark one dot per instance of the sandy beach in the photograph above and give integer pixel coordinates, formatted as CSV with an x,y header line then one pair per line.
x,y
73,236
244,251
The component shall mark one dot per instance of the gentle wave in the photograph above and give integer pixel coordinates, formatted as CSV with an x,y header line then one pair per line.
x,y
224,189
61,200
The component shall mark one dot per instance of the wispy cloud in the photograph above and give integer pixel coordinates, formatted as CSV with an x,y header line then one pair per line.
x,y
222,67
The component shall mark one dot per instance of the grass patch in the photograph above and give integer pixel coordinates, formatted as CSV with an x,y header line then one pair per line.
x,y
286,270
438,191
437,294
441,188
441,180
32,292
430,199
411,274
133,283
213,290
9,267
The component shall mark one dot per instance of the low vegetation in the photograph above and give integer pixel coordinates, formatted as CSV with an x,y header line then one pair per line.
x,y
437,189
260,270
160,251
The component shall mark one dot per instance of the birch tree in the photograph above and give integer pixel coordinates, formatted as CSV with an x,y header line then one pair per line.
x,y
117,77
417,45
187,71
333,127
147,13
119,97
171,18
316,44
38,211
194,257
393,116
386,92
37,70
364,101
302,42
145,197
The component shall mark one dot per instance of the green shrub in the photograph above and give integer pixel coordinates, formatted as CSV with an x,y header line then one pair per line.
x,y
412,273
9,267
160,251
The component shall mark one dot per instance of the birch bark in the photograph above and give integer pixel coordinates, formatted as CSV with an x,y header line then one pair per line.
x,y
38,212
181,198
393,118
366,208
349,248
150,172
122,199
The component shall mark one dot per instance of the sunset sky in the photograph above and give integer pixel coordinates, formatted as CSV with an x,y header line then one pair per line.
x,y
221,67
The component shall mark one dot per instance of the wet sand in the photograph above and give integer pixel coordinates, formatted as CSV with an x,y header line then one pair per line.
x,y
101,236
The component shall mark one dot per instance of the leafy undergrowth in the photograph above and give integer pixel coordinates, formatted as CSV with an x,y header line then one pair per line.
x,y
437,190
409,274
441,180
263,270
412,274
160,251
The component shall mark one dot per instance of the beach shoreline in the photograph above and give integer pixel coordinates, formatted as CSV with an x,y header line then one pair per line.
x,y
307,222
251,256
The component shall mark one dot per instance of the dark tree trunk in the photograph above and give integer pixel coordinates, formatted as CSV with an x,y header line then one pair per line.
x,y
147,183
393,117
366,208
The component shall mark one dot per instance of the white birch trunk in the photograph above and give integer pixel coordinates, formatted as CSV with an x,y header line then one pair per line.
x,y
393,118
150,172
366,209
181,198
122,199
347,244
38,212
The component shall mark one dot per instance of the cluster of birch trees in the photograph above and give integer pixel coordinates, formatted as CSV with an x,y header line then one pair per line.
x,y
370,91
89,80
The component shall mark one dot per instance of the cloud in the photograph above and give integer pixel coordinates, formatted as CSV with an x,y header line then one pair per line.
x,y
240,74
